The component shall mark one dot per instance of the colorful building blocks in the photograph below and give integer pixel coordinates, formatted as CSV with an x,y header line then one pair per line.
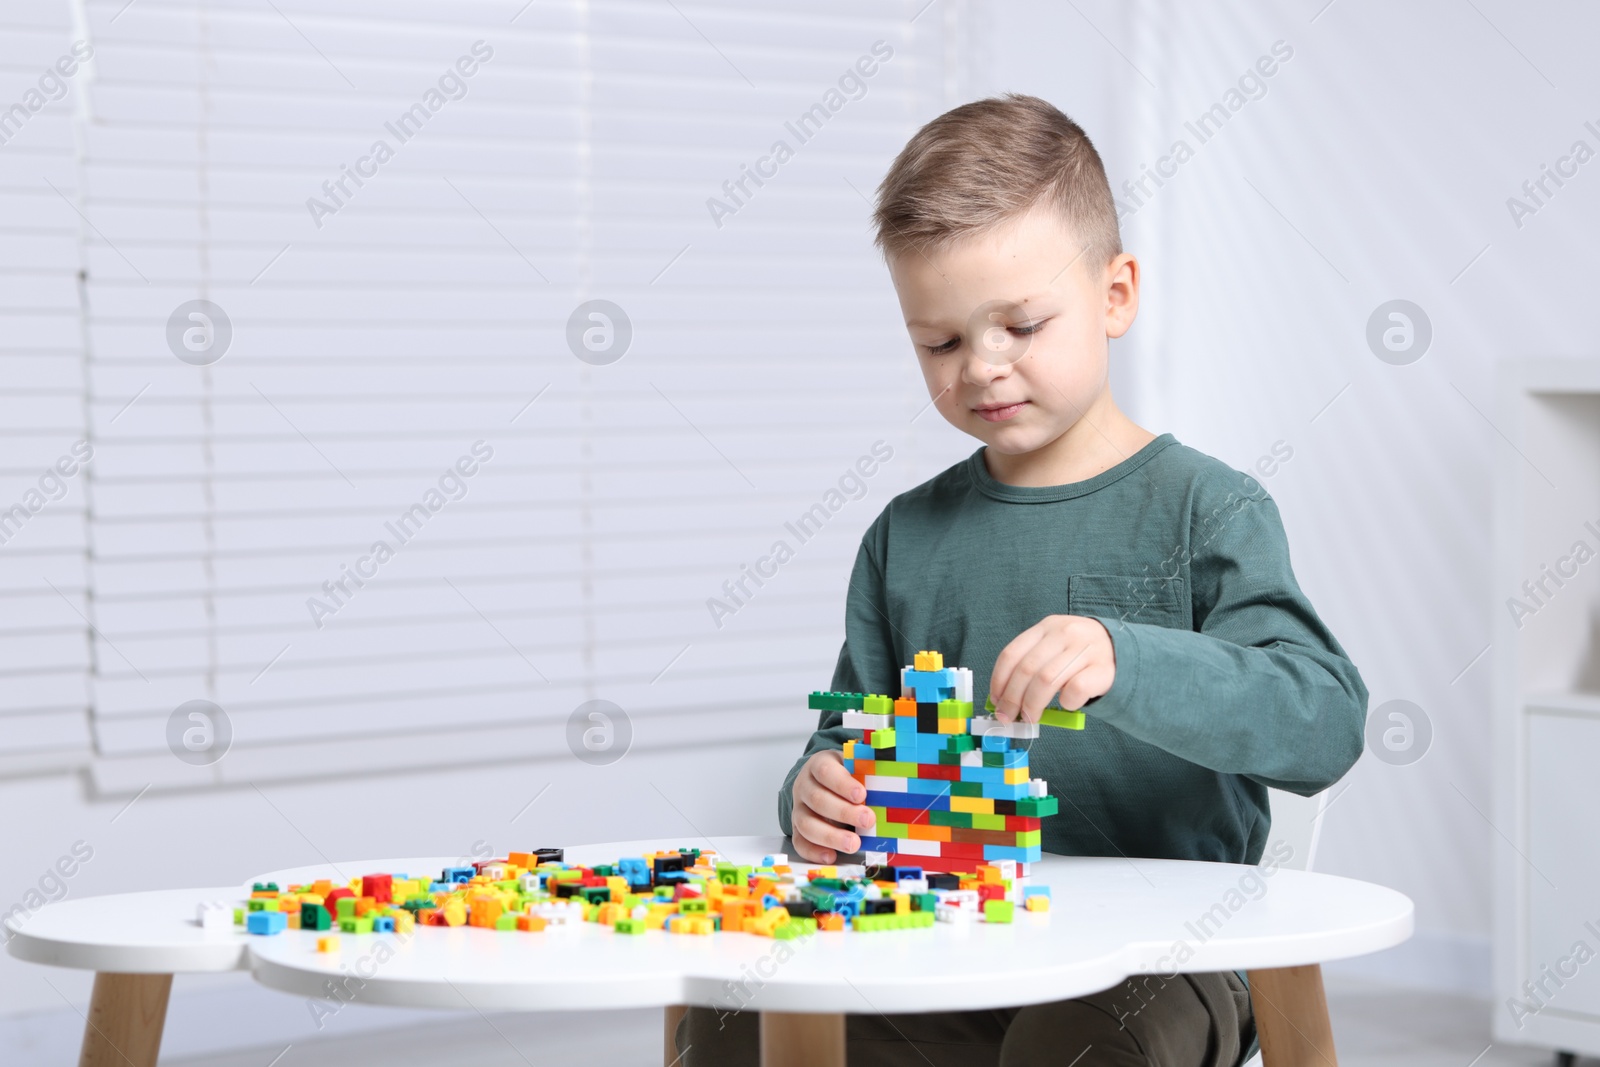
x,y
951,790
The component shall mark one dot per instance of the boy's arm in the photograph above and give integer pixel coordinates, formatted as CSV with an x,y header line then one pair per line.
x,y
866,662
1260,687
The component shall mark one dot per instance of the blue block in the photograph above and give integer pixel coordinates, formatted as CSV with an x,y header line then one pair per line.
x,y
930,687
266,922
1035,891
917,801
864,751
1030,854
875,844
930,786
850,766
985,775
383,924
1014,759
1001,791
902,874
457,874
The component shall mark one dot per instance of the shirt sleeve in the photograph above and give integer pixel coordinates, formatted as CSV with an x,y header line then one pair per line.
x,y
1259,687
866,661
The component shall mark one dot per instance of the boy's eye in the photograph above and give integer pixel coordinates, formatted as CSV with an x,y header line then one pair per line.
x,y
1026,329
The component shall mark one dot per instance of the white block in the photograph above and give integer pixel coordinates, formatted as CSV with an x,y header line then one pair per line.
x,y
852,870
871,892
860,720
964,684
1038,787
874,859
911,847
913,885
879,783
944,913
214,915
988,724
1008,868
972,759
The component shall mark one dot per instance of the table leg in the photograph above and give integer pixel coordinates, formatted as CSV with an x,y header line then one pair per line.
x,y
672,1014
793,1040
126,1015
1292,1017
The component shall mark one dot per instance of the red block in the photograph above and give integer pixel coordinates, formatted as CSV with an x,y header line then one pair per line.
x,y
380,887
991,891
938,864
958,850
938,772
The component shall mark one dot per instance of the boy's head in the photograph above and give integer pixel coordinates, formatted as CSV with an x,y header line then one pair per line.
x,y
1001,237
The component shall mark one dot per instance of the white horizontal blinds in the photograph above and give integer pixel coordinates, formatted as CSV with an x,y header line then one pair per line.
x,y
425,314
43,593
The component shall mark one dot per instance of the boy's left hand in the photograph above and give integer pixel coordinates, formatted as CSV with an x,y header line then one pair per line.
x,y
1069,656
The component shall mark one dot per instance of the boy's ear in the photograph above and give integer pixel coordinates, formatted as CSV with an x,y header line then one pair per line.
x,y
1122,293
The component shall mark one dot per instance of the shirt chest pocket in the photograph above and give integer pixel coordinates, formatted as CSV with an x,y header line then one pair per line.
x,y
1158,600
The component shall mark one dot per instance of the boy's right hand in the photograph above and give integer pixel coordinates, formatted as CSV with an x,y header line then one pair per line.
x,y
828,809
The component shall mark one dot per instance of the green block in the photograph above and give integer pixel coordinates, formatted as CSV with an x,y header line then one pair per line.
x,y
988,822
955,709
969,789
883,738
924,902
629,926
961,819
1037,807
595,894
960,743
1028,837
949,759
994,759
874,704
1070,720
893,829
896,769
345,907
997,911
256,904
836,701
691,906
922,920
315,917
506,922
238,916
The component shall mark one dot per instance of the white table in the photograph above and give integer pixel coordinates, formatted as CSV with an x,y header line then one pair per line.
x,y
1111,918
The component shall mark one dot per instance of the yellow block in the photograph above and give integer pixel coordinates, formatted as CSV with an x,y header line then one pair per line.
x,y
327,944
973,805
1016,775
990,874
1037,903
902,903
952,726
928,661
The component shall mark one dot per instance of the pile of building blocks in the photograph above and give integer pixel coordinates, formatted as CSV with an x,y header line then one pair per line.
x,y
685,891
950,788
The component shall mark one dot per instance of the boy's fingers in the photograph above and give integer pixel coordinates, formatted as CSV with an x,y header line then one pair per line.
x,y
831,805
821,832
1047,683
810,851
1004,678
831,775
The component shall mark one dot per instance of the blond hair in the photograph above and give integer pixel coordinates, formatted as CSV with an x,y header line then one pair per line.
x,y
987,162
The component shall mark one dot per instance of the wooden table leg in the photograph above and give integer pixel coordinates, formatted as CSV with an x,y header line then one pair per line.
x,y
672,1014
792,1040
1292,1017
126,1015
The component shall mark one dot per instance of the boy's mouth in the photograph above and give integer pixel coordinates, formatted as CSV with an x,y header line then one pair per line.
x,y
999,412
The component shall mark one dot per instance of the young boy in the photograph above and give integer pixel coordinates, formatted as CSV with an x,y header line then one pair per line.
x,y
1075,557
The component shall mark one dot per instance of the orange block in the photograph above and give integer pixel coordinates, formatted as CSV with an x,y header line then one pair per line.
x,y
530,923
922,832
905,707
829,920
485,912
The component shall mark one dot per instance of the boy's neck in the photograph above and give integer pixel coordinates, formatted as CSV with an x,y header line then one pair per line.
x,y
1095,443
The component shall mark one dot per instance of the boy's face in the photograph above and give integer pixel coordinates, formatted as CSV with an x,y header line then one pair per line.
x,y
1011,330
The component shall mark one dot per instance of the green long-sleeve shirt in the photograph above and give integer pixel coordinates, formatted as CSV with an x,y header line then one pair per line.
x,y
1226,680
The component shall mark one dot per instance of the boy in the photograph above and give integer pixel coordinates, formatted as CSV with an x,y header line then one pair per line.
x,y
1075,557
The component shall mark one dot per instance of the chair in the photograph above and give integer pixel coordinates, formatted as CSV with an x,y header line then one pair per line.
x,y
1297,822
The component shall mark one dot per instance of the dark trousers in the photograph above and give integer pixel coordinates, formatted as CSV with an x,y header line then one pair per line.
x,y
1190,1020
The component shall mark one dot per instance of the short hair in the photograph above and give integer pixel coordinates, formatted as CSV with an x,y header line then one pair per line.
x,y
985,163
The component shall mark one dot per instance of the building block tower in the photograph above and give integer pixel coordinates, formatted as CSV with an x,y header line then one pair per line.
x,y
950,789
